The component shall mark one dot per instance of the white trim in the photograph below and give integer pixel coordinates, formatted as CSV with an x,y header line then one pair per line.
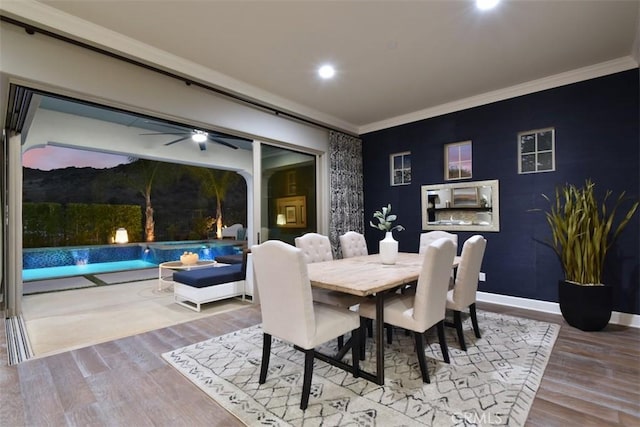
x,y
635,49
13,221
581,74
617,318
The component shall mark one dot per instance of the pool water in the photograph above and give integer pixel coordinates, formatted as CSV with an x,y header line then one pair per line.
x,y
83,269
49,263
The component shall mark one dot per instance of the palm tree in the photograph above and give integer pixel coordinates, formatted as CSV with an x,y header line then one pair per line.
x,y
142,177
214,182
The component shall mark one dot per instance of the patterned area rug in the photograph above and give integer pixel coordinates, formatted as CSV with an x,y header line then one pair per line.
x,y
494,383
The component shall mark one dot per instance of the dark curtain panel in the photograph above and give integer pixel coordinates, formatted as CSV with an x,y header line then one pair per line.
x,y
345,187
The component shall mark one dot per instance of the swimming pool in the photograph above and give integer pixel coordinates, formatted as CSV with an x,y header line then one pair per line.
x,y
83,269
47,263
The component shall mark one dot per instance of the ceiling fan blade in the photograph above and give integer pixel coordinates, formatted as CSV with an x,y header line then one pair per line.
x,y
202,146
223,142
178,140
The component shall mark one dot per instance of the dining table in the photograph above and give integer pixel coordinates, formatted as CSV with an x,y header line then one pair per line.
x,y
367,276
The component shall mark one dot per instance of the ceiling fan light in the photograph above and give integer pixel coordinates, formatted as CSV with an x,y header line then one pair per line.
x,y
199,136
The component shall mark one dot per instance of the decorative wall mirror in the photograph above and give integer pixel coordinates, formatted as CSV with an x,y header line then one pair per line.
x,y
463,206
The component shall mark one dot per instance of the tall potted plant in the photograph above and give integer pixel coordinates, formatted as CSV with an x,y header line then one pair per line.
x,y
583,231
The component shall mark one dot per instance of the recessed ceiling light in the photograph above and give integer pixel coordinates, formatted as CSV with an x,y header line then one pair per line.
x,y
326,71
486,4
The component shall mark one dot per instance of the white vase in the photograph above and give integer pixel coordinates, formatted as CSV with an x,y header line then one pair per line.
x,y
388,249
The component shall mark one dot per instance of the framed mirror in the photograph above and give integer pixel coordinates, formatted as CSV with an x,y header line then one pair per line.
x,y
462,206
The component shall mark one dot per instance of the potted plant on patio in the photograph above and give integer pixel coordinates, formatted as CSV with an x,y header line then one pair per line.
x,y
583,231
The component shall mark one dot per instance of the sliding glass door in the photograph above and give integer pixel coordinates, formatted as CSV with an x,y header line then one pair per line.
x,y
287,189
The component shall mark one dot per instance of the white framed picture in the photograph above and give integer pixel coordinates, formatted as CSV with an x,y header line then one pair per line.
x,y
458,161
536,151
400,167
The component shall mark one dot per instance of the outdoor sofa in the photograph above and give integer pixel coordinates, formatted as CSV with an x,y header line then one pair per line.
x,y
192,288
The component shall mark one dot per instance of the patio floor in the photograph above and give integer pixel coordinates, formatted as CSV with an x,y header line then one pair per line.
x,y
87,281
62,321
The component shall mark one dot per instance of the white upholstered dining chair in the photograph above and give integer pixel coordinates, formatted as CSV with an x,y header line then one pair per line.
x,y
289,313
353,244
463,294
431,236
317,248
425,308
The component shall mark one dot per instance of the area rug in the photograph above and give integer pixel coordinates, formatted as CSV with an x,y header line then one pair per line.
x,y
493,383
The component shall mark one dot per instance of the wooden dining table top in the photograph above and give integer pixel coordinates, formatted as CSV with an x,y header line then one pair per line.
x,y
366,275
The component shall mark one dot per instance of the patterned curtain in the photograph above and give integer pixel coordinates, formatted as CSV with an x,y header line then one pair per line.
x,y
345,187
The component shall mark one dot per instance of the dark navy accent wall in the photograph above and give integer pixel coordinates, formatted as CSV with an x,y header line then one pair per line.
x,y
597,137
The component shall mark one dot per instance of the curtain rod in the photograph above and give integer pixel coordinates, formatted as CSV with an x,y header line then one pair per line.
x,y
30,29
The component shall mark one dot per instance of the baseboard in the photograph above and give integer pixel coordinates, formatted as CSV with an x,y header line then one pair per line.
x,y
617,318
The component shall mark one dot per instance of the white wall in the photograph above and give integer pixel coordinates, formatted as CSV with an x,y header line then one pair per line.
x,y
45,63
71,131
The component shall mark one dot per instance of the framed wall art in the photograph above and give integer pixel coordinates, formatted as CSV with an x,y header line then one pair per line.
x,y
400,168
291,212
457,160
536,151
465,197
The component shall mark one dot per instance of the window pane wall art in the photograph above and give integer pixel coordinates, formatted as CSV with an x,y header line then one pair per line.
x,y
457,160
400,168
536,151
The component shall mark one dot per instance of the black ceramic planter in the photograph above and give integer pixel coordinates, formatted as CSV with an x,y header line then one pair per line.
x,y
585,307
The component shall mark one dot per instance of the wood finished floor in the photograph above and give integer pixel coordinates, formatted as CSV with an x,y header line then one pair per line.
x,y
592,379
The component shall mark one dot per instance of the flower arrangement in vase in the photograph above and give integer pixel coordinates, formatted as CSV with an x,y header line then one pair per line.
x,y
388,245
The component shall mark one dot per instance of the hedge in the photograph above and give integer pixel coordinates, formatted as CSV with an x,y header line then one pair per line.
x,y
53,224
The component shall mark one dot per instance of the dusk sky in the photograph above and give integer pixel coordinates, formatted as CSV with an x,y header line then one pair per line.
x,y
51,157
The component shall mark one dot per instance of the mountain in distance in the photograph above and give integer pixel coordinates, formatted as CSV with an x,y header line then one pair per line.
x,y
178,205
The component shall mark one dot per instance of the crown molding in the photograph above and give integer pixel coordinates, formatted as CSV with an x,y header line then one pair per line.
x,y
635,49
557,80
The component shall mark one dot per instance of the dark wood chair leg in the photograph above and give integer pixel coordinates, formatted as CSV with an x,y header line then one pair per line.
x,y
457,320
443,341
308,374
474,319
421,359
364,325
266,352
356,340
340,342
370,328
389,334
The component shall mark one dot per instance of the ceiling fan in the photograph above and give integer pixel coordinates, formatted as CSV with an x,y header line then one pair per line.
x,y
198,136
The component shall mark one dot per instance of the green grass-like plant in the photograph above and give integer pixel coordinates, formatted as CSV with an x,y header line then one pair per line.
x,y
583,230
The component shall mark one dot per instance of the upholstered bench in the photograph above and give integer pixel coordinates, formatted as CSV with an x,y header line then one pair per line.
x,y
230,259
199,286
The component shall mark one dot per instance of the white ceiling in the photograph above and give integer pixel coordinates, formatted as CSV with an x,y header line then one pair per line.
x,y
395,60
